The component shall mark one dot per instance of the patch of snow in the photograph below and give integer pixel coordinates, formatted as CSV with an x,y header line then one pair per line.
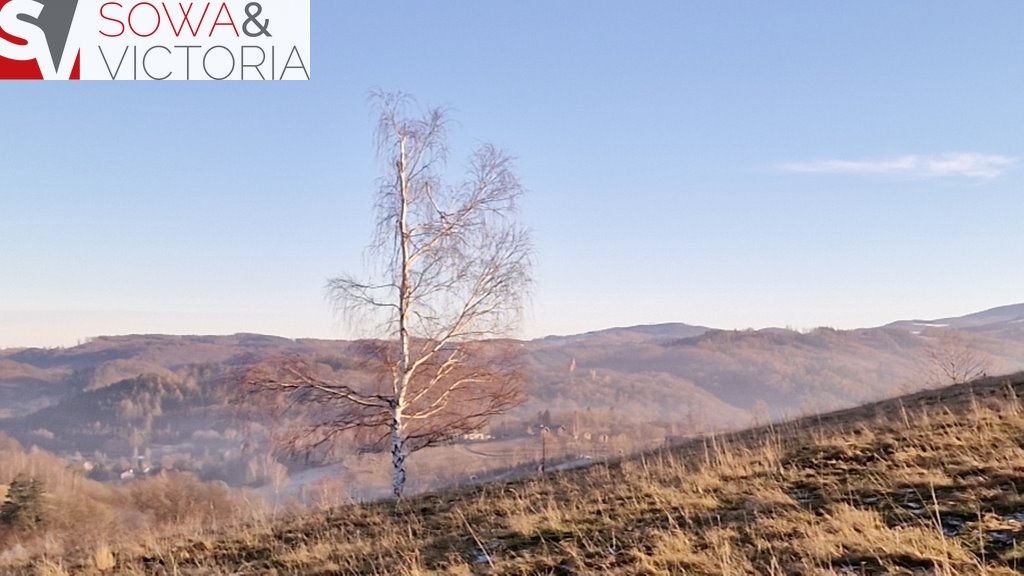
x,y
930,325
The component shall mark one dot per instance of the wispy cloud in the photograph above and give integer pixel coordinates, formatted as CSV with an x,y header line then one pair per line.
x,y
962,164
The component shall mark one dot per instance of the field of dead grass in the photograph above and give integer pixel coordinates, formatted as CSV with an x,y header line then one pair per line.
x,y
931,483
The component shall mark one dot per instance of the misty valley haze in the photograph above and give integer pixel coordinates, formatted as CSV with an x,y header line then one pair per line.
x,y
172,400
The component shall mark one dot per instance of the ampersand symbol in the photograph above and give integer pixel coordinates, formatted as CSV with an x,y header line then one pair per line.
x,y
253,10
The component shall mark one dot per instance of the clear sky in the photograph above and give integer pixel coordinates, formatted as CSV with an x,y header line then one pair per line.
x,y
732,164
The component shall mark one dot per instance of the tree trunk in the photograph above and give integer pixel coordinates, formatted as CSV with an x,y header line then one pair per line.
x,y
401,384
397,452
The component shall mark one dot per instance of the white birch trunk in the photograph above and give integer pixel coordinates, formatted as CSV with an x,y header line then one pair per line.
x,y
403,378
397,452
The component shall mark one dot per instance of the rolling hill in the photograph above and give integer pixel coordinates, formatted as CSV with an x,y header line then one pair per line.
x,y
167,395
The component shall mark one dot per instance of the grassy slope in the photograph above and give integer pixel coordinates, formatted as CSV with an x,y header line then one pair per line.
x,y
926,484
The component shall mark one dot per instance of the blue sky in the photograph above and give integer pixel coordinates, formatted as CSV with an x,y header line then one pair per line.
x,y
733,164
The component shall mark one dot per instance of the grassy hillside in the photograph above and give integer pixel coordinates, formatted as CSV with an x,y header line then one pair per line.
x,y
925,484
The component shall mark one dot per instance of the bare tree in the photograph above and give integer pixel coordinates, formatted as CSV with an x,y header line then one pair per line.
x,y
954,358
453,270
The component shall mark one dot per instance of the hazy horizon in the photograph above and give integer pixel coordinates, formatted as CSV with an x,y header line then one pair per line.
x,y
178,326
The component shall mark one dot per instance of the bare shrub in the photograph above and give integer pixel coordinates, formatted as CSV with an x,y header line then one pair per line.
x,y
179,498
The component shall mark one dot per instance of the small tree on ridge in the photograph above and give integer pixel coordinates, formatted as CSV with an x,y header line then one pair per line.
x,y
954,358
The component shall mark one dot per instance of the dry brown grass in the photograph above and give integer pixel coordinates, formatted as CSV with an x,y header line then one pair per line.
x,y
932,483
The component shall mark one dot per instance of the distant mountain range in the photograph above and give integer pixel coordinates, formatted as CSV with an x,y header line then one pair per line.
x,y
91,396
1003,317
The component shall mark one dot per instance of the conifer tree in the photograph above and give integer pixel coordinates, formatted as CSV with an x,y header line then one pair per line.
x,y
23,507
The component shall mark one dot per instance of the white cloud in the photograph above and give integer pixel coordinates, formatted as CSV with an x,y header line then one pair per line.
x,y
962,164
